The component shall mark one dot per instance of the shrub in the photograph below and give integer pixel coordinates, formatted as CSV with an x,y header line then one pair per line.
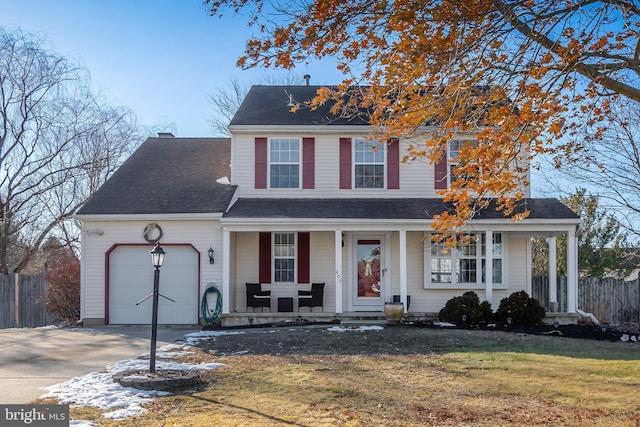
x,y
62,296
468,304
522,309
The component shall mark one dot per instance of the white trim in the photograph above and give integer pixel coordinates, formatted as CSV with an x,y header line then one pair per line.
x,y
553,287
226,271
488,265
572,271
149,217
338,261
403,267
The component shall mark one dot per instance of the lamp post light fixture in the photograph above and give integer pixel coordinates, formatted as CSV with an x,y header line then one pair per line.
x,y
157,257
210,252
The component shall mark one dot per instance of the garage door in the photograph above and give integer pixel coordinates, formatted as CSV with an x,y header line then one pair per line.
x,y
131,279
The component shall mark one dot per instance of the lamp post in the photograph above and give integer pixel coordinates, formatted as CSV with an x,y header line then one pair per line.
x,y
157,257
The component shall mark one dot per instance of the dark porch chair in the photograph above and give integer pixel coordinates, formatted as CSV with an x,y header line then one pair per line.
x,y
256,297
312,298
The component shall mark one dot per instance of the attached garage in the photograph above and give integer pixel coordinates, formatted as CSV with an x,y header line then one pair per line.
x,y
131,279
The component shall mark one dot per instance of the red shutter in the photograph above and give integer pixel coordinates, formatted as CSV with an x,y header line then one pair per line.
x,y
345,163
264,258
440,173
393,164
260,169
308,163
304,259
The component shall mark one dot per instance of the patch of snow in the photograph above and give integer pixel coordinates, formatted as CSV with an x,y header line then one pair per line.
x,y
195,337
81,423
358,329
444,324
98,389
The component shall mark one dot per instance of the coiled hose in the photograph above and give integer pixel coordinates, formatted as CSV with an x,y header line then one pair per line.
x,y
206,312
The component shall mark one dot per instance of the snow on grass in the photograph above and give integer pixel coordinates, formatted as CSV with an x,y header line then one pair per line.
x,y
358,329
97,389
195,337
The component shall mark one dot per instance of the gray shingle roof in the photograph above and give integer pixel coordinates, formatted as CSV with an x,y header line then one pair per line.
x,y
267,105
168,175
400,209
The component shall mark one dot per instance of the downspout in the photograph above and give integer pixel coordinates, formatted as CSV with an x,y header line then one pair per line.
x,y
589,316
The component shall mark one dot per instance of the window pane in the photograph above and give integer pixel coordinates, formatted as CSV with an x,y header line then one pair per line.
x,y
441,270
285,176
284,251
467,270
497,271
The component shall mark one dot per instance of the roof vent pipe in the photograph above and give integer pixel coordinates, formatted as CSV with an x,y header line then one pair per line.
x,y
306,79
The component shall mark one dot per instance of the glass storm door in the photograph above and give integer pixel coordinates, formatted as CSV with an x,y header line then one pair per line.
x,y
369,280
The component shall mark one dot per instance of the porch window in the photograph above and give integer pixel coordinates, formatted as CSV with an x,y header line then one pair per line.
x,y
284,163
369,164
284,257
466,263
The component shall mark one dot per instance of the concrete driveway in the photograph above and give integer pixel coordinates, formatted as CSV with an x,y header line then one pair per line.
x,y
34,358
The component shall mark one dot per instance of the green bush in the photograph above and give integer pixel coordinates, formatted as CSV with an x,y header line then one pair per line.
x,y
468,304
522,309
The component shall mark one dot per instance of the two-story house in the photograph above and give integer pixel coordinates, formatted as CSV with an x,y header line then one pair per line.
x,y
307,199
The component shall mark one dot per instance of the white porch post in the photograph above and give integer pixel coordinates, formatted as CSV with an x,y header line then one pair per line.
x,y
338,255
488,275
403,268
572,271
553,276
226,269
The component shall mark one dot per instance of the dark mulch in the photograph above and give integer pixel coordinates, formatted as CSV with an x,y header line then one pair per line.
x,y
403,338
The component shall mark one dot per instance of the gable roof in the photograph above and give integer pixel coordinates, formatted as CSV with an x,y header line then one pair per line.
x,y
168,175
269,105
379,208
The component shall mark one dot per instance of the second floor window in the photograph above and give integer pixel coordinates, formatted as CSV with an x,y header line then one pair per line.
x,y
455,160
284,163
368,164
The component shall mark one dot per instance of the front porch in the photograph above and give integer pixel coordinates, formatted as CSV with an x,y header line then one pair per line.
x,y
347,319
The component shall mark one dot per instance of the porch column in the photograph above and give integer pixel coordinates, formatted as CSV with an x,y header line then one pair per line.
x,y
226,268
338,255
572,271
403,268
488,268
553,275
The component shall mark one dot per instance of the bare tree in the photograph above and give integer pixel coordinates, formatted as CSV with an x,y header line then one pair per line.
x,y
226,99
58,143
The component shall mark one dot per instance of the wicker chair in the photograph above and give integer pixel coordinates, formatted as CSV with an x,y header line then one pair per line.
x,y
312,298
256,297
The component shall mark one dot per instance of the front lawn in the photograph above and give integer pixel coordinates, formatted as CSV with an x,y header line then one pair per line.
x,y
461,378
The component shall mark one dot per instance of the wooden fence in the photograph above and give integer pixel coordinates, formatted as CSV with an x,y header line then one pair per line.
x,y
611,301
22,302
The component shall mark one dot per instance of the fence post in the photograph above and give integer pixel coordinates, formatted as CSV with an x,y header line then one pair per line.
x,y
17,298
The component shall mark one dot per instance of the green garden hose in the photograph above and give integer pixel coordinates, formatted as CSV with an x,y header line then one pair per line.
x,y
206,312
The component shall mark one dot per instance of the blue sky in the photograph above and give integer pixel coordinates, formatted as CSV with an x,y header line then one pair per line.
x,y
159,58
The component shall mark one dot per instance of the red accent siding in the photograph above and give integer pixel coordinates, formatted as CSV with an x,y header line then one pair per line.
x,y
264,258
393,164
345,163
260,169
308,163
440,173
304,258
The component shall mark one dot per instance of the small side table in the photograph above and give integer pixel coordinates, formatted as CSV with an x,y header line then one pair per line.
x,y
285,304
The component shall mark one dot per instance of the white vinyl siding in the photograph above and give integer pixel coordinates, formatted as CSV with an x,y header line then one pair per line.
x,y
416,177
202,234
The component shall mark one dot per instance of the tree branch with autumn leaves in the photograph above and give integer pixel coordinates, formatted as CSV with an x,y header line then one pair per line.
x,y
526,76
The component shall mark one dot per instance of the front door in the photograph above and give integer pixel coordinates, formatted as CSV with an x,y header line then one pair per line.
x,y
368,274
